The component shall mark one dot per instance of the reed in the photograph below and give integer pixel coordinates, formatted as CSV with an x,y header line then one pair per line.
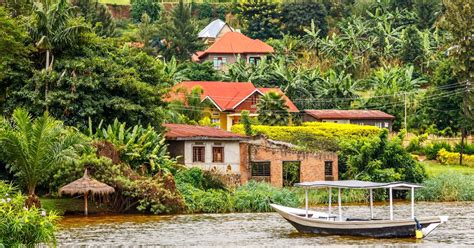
x,y
449,186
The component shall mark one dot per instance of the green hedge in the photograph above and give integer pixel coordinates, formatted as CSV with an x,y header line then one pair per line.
x,y
313,135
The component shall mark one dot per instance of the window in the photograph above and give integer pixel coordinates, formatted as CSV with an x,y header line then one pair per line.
x,y
254,60
199,154
219,61
328,168
218,154
386,124
378,124
215,120
260,169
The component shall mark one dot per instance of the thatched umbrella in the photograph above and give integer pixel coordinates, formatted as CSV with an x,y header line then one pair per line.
x,y
84,185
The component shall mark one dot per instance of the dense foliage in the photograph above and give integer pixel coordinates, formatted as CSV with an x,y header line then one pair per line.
x,y
272,110
21,227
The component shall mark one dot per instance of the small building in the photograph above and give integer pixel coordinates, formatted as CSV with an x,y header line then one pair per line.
x,y
205,147
360,117
214,30
230,47
271,161
227,99
242,159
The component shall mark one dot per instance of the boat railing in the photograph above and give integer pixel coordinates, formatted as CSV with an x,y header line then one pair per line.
x,y
354,184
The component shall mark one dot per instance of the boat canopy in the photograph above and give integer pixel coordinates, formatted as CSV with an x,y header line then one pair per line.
x,y
356,184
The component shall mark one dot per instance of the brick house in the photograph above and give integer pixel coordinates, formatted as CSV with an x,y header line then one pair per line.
x,y
246,159
227,99
230,47
264,160
360,117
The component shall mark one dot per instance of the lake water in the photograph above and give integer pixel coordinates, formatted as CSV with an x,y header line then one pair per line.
x,y
255,229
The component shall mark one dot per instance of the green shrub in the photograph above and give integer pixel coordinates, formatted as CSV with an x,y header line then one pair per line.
x,y
256,197
431,150
416,144
451,158
468,148
20,226
450,186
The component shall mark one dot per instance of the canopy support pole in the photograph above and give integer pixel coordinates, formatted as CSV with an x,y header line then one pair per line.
x,y
306,201
85,203
391,203
330,201
371,204
412,202
339,203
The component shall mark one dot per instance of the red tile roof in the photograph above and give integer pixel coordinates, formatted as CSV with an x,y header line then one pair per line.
x,y
190,132
237,43
226,95
349,114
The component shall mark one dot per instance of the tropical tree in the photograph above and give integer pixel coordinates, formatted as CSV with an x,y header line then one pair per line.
x,y
55,27
337,90
272,110
459,23
31,147
180,33
261,18
14,52
191,104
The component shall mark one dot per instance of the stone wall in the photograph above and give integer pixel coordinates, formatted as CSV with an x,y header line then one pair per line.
x,y
311,167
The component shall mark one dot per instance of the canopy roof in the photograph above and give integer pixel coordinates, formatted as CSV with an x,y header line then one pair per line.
x,y
356,184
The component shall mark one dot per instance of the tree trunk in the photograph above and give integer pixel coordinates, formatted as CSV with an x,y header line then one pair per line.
x,y
32,200
461,152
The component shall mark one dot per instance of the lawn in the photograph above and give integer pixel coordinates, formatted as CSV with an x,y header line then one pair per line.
x,y
116,2
434,168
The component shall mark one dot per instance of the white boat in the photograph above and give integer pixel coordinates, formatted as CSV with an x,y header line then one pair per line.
x,y
308,221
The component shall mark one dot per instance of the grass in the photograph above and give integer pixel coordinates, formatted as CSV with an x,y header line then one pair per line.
x,y
71,205
434,168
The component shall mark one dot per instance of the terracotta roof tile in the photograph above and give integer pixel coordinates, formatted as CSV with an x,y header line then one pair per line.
x,y
349,114
237,43
226,95
190,132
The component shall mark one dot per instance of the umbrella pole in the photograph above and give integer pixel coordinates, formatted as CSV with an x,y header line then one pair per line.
x,y
85,203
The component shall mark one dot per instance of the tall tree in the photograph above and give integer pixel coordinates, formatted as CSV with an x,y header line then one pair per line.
x,y
150,7
459,23
180,33
15,64
54,27
31,147
261,18
98,15
272,109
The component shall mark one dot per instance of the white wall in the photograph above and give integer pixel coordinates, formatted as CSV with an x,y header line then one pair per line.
x,y
343,121
231,156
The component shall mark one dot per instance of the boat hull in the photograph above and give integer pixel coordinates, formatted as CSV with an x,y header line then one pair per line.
x,y
372,228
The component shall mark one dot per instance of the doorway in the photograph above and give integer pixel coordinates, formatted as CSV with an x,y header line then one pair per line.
x,y
291,172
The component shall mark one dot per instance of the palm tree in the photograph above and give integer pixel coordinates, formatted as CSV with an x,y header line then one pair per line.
x,y
54,26
272,110
31,147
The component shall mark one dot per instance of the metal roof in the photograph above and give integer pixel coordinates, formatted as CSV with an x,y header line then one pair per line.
x,y
356,184
212,29
354,114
